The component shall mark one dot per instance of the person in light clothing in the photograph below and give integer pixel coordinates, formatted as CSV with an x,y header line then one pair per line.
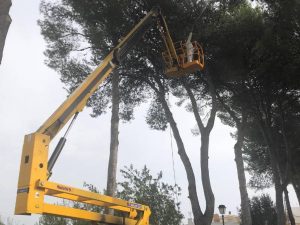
x,y
189,48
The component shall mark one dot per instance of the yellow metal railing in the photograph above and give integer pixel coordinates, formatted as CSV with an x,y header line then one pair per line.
x,y
181,51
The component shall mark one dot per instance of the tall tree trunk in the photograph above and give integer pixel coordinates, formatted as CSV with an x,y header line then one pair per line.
x,y
245,202
208,193
114,139
279,204
288,206
272,148
5,21
291,171
198,215
279,176
240,125
276,177
205,132
278,193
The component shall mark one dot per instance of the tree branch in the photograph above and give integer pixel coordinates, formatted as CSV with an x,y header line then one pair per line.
x,y
213,111
74,34
194,106
81,49
231,112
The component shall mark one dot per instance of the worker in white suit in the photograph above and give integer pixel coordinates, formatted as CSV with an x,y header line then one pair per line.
x,y
189,48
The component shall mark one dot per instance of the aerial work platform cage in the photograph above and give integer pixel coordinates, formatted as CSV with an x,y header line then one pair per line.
x,y
187,62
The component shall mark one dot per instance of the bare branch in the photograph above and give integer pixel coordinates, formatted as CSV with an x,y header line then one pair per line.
x,y
194,106
73,34
81,49
213,112
231,112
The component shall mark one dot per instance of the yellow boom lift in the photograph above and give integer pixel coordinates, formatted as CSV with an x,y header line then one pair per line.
x,y
36,169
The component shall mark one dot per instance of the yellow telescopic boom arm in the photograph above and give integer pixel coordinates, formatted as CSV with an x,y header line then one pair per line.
x,y
33,183
77,100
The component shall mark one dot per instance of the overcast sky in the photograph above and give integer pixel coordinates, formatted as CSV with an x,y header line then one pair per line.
x,y
30,92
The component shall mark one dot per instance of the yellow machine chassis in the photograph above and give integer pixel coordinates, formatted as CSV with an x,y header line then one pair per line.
x,y
31,198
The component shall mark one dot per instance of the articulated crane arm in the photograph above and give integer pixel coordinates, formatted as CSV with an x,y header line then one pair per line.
x,y
35,169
